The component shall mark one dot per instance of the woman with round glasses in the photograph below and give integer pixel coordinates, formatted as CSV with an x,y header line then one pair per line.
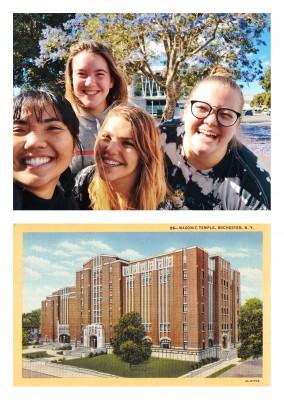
x,y
206,164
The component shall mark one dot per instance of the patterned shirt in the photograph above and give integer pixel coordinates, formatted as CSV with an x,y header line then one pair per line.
x,y
238,182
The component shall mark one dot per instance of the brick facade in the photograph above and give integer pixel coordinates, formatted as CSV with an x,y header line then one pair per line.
x,y
187,300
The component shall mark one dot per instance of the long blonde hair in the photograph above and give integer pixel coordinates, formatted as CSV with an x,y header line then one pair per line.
x,y
151,187
118,93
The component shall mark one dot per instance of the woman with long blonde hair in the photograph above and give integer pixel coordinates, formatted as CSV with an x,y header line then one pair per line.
x,y
129,168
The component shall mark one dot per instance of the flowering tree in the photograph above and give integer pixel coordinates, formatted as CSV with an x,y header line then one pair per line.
x,y
188,45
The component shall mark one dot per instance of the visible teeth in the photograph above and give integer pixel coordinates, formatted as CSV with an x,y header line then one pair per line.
x,y
37,161
208,133
88,92
111,162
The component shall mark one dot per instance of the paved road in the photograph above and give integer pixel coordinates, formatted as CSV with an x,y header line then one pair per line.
x,y
251,368
27,373
264,120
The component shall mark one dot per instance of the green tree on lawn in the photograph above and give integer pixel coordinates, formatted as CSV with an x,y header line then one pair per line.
x,y
30,322
129,342
251,329
264,99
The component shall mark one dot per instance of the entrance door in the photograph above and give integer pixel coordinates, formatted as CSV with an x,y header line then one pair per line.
x,y
93,342
64,338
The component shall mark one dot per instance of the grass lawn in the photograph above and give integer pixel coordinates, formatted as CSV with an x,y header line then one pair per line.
x,y
36,354
153,368
221,371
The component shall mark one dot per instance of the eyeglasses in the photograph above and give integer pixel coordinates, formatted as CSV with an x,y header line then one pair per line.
x,y
225,116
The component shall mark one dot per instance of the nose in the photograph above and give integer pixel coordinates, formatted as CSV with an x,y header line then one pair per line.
x,y
212,118
34,140
89,81
112,147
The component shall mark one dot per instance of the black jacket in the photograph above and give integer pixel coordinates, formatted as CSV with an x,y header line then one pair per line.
x,y
25,200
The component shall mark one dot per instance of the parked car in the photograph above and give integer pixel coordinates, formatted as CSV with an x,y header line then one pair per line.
x,y
266,112
248,112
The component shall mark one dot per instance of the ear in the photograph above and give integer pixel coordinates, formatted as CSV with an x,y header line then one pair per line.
x,y
111,85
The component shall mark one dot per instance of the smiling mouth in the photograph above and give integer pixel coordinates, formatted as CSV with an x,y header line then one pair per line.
x,y
112,163
37,161
208,134
91,92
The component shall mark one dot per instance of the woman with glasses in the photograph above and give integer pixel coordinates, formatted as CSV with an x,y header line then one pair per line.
x,y
206,164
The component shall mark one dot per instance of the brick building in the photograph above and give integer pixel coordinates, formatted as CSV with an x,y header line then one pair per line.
x,y
188,301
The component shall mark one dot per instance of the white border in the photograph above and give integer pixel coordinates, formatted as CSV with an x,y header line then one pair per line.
x,y
8,217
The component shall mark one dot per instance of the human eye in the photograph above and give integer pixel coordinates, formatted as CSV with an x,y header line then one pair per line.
x,y
55,127
227,114
201,107
81,74
18,129
128,143
101,73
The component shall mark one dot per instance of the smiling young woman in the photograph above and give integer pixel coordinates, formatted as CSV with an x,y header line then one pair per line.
x,y
205,162
94,85
45,132
129,172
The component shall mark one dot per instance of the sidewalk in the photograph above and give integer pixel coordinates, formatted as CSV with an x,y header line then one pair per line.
x,y
209,369
251,368
59,371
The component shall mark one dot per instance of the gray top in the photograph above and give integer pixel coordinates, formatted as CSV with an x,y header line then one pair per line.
x,y
89,129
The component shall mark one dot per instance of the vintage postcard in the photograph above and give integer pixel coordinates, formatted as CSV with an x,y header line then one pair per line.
x,y
151,305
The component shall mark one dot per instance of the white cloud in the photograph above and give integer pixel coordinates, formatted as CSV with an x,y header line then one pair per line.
x,y
40,249
70,246
242,252
35,262
215,250
33,296
30,273
61,253
130,254
98,245
170,249
236,254
62,273
57,267
254,274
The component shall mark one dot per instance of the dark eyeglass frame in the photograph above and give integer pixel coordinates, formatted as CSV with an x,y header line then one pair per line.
x,y
238,115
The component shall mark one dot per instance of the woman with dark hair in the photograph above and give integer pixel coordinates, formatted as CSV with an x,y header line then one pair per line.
x,y
205,163
45,133
94,85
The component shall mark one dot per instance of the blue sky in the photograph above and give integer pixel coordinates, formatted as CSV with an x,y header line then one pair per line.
x,y
264,55
51,259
